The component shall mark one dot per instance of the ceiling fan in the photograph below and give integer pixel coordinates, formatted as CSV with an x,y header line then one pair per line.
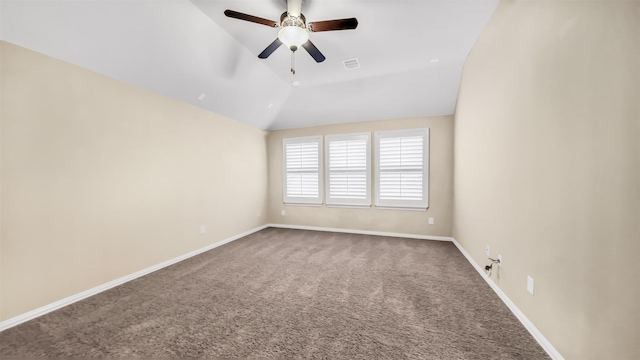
x,y
294,30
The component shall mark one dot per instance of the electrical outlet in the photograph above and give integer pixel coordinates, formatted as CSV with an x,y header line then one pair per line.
x,y
431,221
203,229
530,284
487,250
258,215
283,213
499,260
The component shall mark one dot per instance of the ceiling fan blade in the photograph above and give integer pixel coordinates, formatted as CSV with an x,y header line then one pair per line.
x,y
270,49
294,7
329,25
313,51
251,18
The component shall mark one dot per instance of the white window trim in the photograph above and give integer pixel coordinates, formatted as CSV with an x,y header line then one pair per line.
x,y
302,200
403,204
343,202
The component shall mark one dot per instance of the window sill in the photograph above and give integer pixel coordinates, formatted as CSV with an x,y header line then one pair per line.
x,y
349,206
302,204
400,208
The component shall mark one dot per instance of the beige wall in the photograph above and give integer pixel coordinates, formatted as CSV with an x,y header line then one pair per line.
x,y
409,222
547,167
101,179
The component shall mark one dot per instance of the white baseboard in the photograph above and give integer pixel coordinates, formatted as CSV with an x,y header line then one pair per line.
x,y
546,345
98,289
362,232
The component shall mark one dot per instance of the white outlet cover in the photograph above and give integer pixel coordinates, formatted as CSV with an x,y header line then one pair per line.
x,y
203,229
283,213
431,221
530,285
487,250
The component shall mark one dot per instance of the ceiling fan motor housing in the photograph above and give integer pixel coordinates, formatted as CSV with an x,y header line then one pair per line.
x,y
288,20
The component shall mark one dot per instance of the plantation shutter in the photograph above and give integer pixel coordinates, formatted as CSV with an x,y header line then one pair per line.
x,y
402,168
348,170
302,171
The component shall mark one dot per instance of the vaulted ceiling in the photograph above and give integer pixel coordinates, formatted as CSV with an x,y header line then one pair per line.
x,y
411,54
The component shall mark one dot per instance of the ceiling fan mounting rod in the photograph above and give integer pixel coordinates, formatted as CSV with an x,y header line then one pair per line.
x,y
294,7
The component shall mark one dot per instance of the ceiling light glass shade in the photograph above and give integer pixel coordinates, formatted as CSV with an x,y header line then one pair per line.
x,y
293,36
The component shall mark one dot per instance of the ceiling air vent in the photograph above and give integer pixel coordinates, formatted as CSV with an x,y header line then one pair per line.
x,y
351,64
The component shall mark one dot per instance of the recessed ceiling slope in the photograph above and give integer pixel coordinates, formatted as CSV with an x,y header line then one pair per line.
x,y
169,47
183,49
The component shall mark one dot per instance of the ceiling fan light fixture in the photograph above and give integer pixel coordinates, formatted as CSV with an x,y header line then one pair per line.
x,y
293,36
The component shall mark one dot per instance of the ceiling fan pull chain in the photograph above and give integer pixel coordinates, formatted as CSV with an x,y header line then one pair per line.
x,y
293,62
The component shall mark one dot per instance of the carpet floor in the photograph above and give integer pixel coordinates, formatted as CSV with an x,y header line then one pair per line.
x,y
282,293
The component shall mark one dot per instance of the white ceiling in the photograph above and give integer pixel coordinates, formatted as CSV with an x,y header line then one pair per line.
x,y
411,54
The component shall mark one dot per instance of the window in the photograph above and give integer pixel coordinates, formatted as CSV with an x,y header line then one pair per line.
x,y
302,178
402,169
348,170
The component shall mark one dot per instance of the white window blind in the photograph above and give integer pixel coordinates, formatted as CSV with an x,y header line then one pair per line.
x,y
348,170
402,169
302,178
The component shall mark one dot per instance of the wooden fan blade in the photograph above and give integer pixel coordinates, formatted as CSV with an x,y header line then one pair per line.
x,y
251,18
313,51
270,49
294,7
330,25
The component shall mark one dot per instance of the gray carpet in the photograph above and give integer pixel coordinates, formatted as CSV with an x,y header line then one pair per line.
x,y
291,294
